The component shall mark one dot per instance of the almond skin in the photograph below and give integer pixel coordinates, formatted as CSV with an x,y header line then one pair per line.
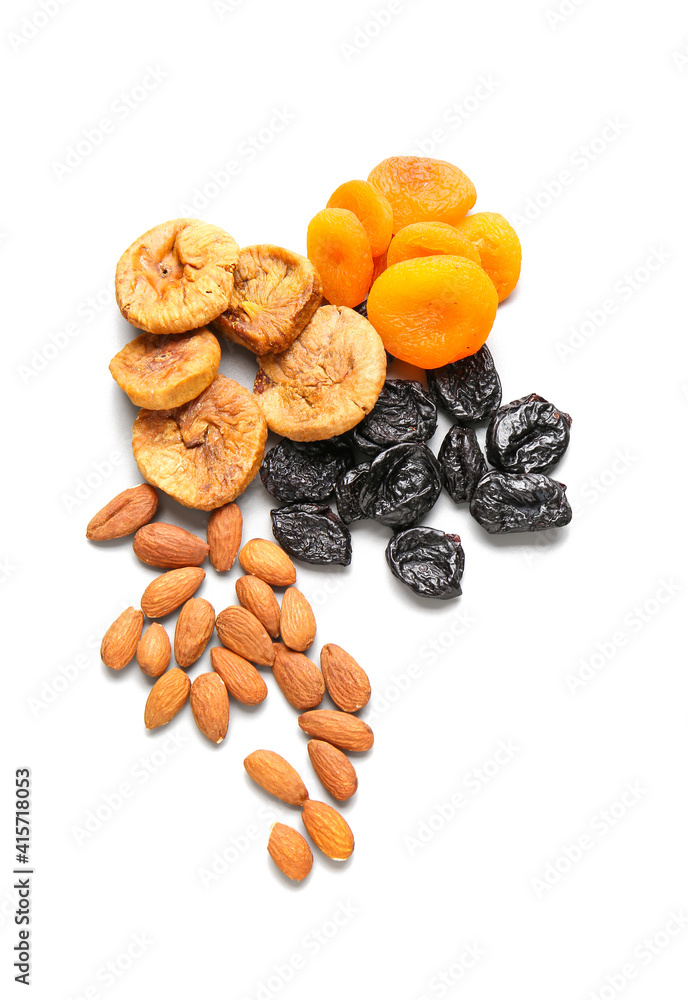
x,y
224,536
265,559
342,730
195,625
154,652
299,679
239,630
290,852
240,677
168,546
276,775
259,597
297,621
168,591
347,683
124,515
167,696
328,830
335,770
120,641
210,706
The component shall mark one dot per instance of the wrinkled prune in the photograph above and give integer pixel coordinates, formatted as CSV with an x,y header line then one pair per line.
x,y
347,491
312,532
470,388
527,435
304,470
428,561
462,462
506,501
403,483
362,308
404,412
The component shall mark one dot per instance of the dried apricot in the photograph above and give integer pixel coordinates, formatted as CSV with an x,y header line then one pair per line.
x,y
421,189
428,239
339,247
499,248
160,371
431,311
371,209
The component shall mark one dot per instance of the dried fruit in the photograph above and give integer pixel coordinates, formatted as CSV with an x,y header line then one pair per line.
x,y
403,484
210,706
342,730
297,621
298,470
169,546
506,502
290,852
469,388
462,462
124,515
240,677
527,435
160,371
421,189
168,695
224,536
176,277
347,491
275,295
167,591
240,631
276,775
154,652
335,770
268,561
371,209
428,561
195,625
259,598
327,381
312,532
404,412
346,682
499,248
429,239
120,641
204,453
339,247
299,679
328,830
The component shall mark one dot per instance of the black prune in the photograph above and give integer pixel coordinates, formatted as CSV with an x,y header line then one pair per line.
x,y
404,412
347,491
470,388
462,462
403,483
428,561
304,470
507,501
362,308
312,532
527,435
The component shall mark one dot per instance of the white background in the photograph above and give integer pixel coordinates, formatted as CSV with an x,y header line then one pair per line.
x,y
521,95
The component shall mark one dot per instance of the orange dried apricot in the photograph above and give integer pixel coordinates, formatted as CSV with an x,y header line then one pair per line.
x,y
430,311
421,189
339,248
372,210
428,239
499,248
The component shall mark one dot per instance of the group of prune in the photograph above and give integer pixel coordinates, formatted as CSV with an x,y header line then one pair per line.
x,y
401,479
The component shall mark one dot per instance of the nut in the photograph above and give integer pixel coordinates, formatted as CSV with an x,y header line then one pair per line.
x,y
299,679
297,621
167,591
160,371
328,830
240,677
335,770
167,696
240,631
224,536
168,546
153,652
259,597
121,639
276,775
125,513
290,852
194,628
210,706
268,561
345,731
347,683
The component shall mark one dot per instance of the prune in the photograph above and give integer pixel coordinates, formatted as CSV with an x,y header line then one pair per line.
x,y
362,308
506,501
403,483
528,435
470,388
462,462
312,532
428,561
347,491
404,412
300,470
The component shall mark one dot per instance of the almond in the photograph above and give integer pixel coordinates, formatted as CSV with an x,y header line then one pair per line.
x,y
153,652
168,591
169,693
334,769
168,546
328,830
240,677
224,536
125,513
347,683
195,625
259,597
299,679
290,852
268,561
210,706
276,775
297,621
120,641
239,630
345,731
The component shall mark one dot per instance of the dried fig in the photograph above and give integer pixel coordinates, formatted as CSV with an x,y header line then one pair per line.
x,y
328,379
275,295
176,277
160,371
206,452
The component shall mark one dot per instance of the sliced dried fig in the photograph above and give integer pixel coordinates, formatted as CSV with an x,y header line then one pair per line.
x,y
206,452
159,371
328,379
176,277
275,295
